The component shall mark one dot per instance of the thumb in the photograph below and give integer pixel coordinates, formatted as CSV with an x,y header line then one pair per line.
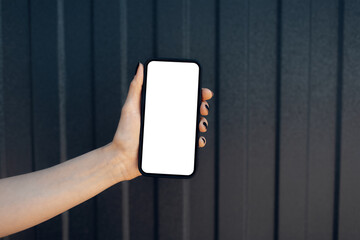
x,y
134,94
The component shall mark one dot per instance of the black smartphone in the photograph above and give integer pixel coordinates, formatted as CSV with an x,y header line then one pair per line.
x,y
169,118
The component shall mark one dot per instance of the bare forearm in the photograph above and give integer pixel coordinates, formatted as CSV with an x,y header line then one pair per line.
x,y
29,199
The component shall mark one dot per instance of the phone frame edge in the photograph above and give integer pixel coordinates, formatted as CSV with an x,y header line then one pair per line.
x,y
142,112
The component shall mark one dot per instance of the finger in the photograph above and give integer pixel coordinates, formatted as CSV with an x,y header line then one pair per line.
x,y
202,142
204,108
139,75
206,94
203,125
134,93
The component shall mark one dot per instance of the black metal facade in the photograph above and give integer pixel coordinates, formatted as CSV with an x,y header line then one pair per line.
x,y
282,159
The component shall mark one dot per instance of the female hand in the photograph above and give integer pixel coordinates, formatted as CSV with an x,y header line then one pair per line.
x,y
125,144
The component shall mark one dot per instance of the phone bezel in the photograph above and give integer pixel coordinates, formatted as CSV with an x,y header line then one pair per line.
x,y
143,97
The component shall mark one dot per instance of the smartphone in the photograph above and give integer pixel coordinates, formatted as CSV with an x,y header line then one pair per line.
x,y
169,118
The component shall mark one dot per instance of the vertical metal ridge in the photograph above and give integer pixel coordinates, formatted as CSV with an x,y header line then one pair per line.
x,y
246,126
125,211
123,49
217,119
62,100
339,93
2,105
61,79
277,120
155,27
186,28
124,86
186,209
308,119
33,167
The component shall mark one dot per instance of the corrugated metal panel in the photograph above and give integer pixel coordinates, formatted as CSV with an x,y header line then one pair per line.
x,y
281,160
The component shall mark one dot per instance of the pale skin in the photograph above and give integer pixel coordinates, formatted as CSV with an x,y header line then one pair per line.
x,y
29,199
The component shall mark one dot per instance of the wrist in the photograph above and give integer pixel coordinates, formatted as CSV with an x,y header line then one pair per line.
x,y
120,167
113,158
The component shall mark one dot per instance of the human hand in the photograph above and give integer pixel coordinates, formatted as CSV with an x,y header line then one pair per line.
x,y
125,144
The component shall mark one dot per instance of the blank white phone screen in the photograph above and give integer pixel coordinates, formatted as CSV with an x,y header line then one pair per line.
x,y
170,121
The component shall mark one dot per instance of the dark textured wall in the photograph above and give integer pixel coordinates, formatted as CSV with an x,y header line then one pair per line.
x,y
282,159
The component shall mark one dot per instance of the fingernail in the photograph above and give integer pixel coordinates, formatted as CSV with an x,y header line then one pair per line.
x,y
203,139
137,66
205,124
207,107
212,93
